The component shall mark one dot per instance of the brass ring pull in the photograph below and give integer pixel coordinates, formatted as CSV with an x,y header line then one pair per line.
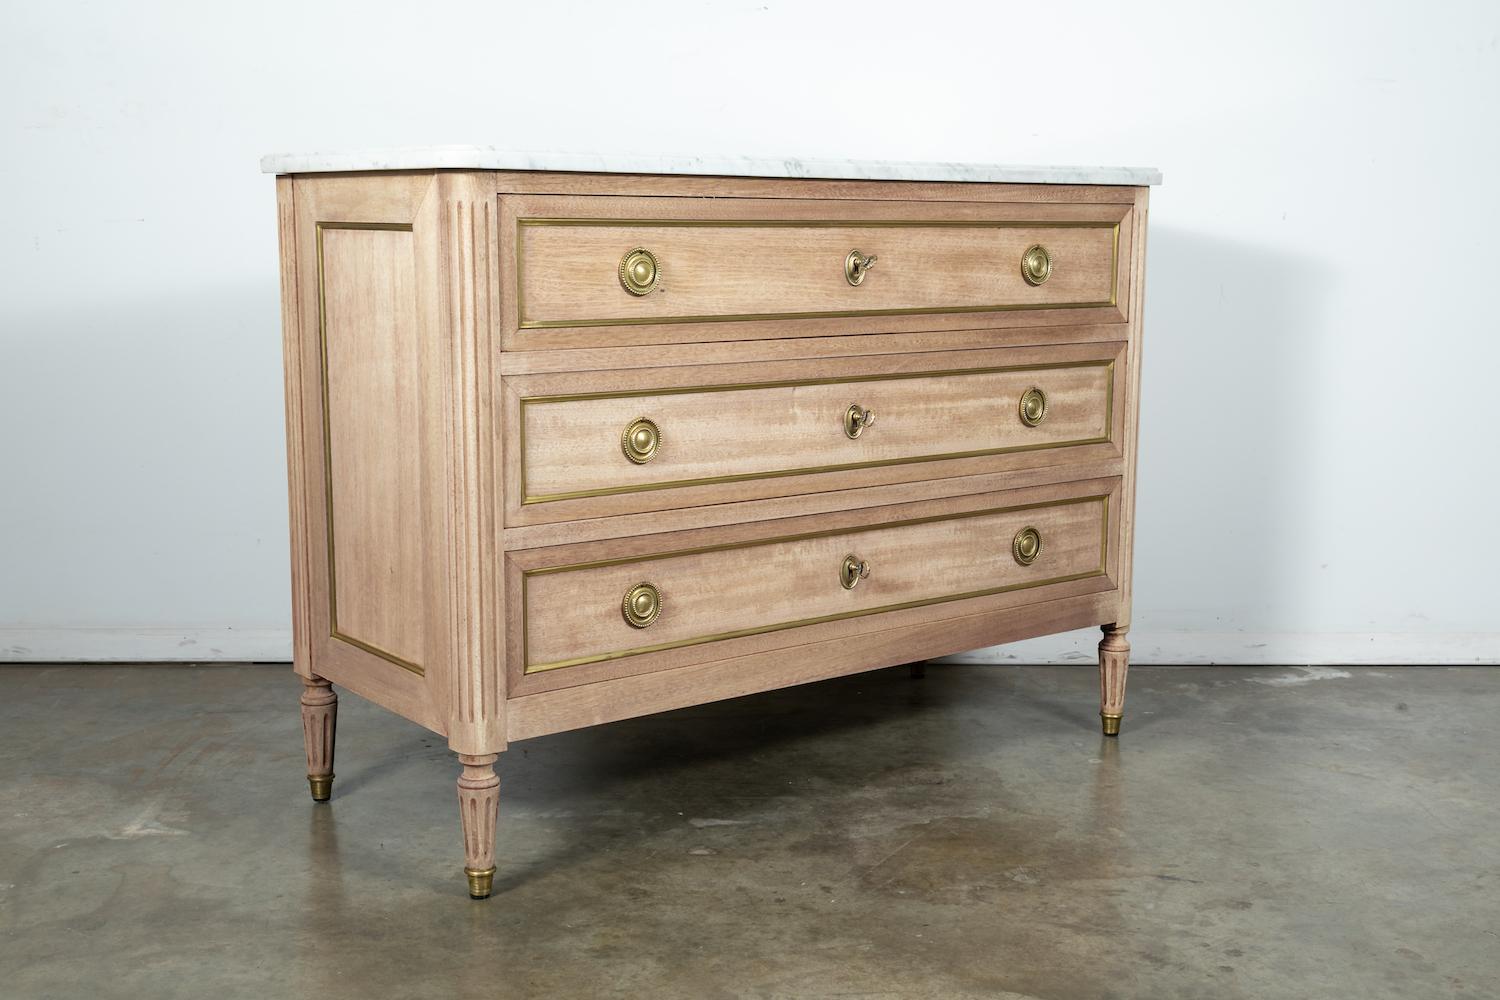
x,y
853,570
857,265
1027,545
641,440
642,605
1036,264
640,272
856,419
1033,406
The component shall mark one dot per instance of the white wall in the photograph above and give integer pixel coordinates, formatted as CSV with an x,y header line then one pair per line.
x,y
1318,474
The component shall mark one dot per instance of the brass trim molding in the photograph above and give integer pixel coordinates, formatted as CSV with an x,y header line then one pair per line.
x,y
333,610
522,223
528,498
526,575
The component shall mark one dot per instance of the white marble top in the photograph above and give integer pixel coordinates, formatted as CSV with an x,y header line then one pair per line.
x,y
494,158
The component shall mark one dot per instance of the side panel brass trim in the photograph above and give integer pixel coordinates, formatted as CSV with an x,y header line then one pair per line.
x,y
333,610
527,498
524,324
526,575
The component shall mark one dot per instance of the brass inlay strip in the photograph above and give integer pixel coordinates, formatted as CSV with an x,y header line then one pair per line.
x,y
333,610
528,498
524,324
526,575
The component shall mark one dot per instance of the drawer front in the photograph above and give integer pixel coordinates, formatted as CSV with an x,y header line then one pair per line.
x,y
599,264
600,444
602,610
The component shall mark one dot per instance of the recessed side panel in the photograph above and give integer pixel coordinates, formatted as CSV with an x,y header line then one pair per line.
x,y
367,286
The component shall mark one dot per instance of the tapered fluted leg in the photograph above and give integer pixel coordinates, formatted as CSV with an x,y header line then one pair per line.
x,y
320,713
1114,661
478,804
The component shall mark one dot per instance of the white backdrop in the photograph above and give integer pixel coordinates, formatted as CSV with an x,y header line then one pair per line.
x,y
1318,474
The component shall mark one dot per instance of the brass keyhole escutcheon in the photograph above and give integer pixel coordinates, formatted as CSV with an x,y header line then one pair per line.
x,y
641,440
1036,264
640,272
856,419
642,605
1026,546
857,265
1033,406
851,571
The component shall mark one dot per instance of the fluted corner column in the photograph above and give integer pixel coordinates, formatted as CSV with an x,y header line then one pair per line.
x,y
1114,662
320,714
478,806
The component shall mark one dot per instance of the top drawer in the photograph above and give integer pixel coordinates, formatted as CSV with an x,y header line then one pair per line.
x,y
600,271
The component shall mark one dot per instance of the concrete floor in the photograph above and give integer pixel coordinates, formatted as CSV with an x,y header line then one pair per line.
x,y
1262,832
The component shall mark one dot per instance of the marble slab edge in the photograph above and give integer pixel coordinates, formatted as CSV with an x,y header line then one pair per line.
x,y
491,158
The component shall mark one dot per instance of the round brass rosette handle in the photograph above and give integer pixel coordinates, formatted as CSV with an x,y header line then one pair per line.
x,y
1036,264
642,605
853,570
641,440
1026,546
1033,406
856,419
857,265
640,272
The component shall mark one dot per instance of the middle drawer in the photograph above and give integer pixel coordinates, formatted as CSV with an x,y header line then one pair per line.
x,y
685,432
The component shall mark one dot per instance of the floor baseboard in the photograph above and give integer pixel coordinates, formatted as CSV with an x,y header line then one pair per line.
x,y
1257,648
237,645
145,644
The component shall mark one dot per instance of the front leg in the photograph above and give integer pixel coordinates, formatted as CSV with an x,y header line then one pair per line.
x,y
1114,660
320,716
478,805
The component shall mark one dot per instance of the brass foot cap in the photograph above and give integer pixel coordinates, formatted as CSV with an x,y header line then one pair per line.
x,y
1111,724
321,786
481,881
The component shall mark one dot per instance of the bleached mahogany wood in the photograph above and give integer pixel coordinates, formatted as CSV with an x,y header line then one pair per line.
x,y
749,511
297,468
796,442
412,528
475,606
1114,662
658,186
372,343
320,714
375,679
573,445
733,536
320,203
714,680
1114,649
583,359
1130,439
576,614
569,274
768,283
394,278
478,805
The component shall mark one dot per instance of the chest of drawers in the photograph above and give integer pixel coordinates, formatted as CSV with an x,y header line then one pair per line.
x,y
569,447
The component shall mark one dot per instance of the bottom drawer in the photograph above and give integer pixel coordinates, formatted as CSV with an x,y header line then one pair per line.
x,y
588,611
